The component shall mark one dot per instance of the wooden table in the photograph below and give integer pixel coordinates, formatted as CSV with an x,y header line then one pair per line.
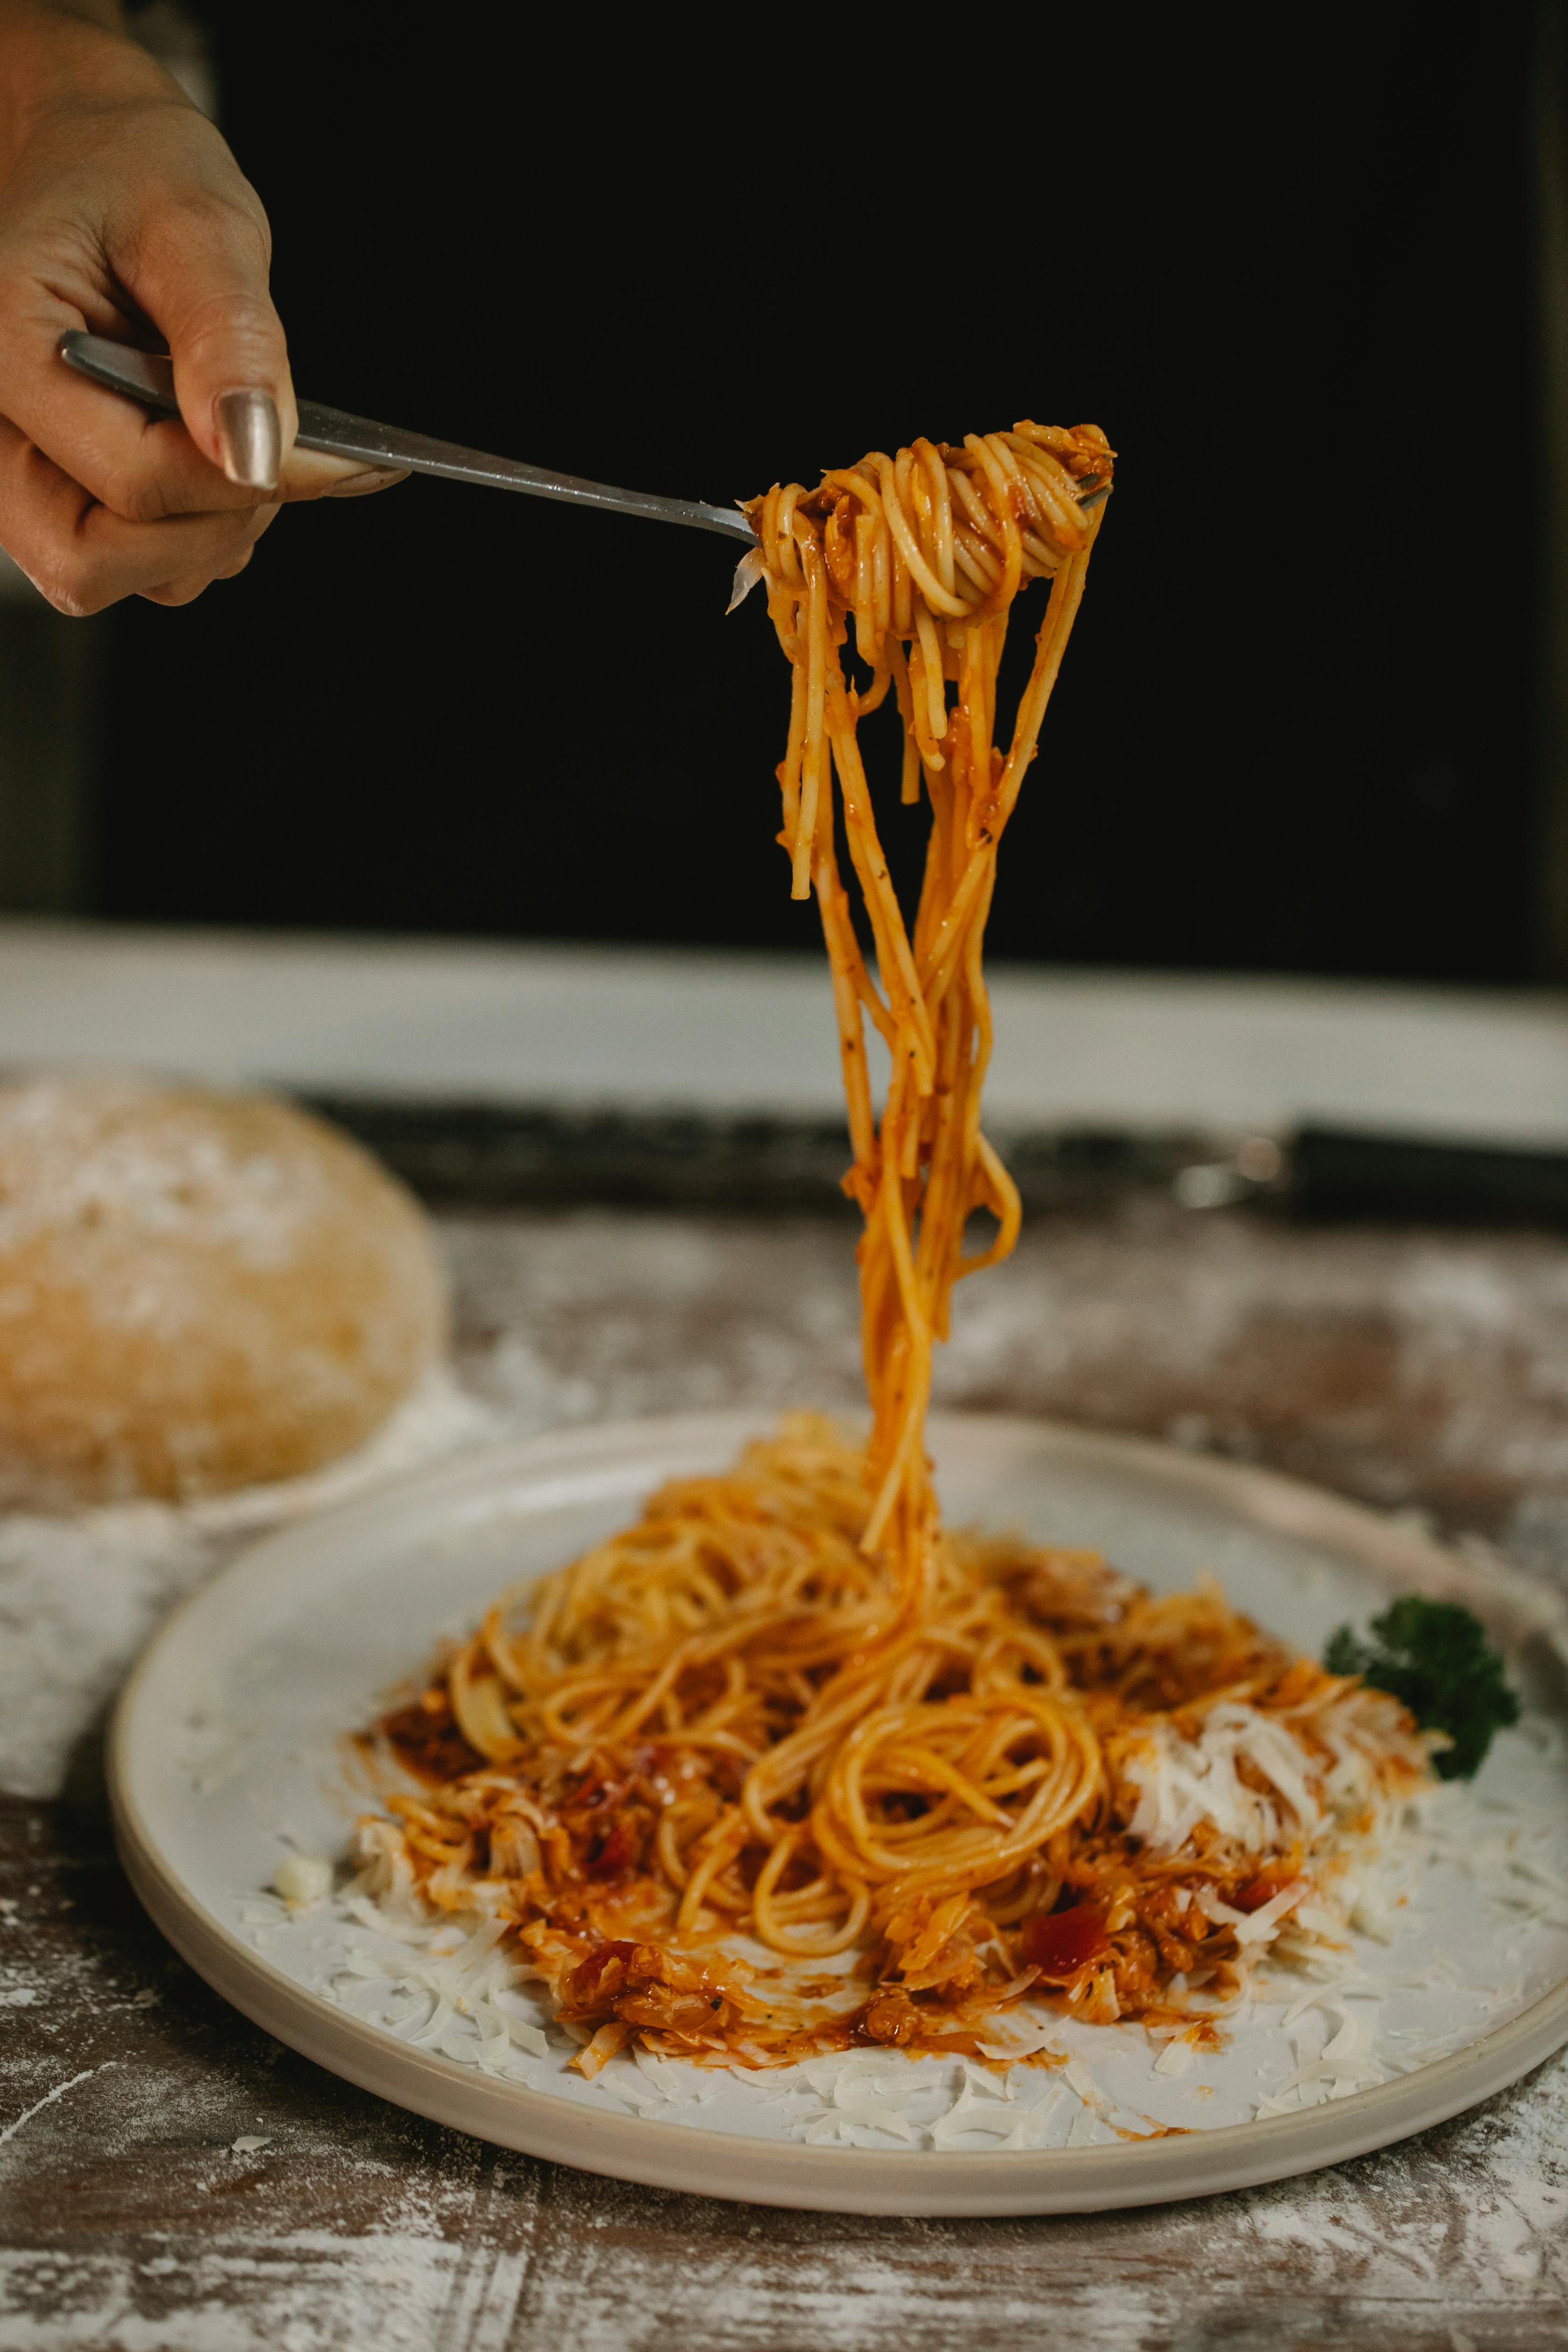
x,y
1415,1369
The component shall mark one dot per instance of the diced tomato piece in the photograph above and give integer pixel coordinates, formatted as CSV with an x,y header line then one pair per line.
x,y
1263,1889
587,1975
1060,1943
617,1852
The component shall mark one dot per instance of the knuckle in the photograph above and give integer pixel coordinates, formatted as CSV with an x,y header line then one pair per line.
x,y
213,246
232,336
222,216
46,537
207,222
236,539
73,587
229,306
134,496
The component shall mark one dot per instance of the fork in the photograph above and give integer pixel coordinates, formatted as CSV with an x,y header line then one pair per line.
x,y
149,377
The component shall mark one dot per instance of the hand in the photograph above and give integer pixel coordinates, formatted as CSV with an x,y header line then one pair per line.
x,y
121,210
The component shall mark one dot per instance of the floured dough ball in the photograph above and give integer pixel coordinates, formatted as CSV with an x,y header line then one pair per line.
x,y
197,1291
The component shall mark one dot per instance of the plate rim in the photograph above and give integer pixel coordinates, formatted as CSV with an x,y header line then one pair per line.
x,y
955,2184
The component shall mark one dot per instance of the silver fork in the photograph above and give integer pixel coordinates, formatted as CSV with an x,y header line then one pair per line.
x,y
149,377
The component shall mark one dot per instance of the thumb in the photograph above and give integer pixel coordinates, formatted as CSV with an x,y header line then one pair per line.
x,y
199,274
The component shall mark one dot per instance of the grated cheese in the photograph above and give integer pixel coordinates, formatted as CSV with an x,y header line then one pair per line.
x,y
1175,2058
302,1880
456,1985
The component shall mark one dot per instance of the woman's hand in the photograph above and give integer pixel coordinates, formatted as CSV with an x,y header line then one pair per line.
x,y
122,211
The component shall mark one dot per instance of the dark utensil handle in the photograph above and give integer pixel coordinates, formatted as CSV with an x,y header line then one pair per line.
x,y
1341,1172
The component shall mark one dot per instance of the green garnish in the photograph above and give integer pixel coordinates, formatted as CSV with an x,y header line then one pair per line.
x,y
1432,1656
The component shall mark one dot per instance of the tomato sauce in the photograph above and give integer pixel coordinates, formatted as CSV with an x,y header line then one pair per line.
x,y
1060,1943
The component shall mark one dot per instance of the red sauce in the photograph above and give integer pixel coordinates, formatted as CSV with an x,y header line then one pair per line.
x,y
585,1977
1262,1890
616,1854
1060,1943
426,1740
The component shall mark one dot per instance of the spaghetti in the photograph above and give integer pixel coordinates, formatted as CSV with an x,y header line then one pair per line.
x,y
924,554
784,1765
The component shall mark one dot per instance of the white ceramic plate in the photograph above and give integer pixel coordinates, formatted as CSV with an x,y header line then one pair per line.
x,y
227,1751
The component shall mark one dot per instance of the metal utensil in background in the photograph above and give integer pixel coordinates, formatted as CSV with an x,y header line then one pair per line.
x,y
1333,1175
149,377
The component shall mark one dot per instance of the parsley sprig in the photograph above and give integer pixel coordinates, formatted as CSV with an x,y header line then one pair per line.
x,y
1434,1658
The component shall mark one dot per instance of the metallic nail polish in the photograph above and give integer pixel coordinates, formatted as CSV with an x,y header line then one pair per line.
x,y
250,438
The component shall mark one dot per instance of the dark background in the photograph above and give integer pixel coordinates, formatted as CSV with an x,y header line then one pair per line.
x,y
1294,287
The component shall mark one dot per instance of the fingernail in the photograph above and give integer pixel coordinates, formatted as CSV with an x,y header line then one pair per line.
x,y
375,478
249,438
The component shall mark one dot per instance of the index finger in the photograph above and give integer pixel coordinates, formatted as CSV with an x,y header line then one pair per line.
x,y
142,468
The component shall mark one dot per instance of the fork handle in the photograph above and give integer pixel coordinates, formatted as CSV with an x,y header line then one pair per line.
x,y
148,377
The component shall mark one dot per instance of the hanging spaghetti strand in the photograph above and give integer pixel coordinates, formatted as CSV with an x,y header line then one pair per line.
x,y
925,552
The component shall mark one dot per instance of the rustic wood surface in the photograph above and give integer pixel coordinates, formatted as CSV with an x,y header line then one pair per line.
x,y
1417,1370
